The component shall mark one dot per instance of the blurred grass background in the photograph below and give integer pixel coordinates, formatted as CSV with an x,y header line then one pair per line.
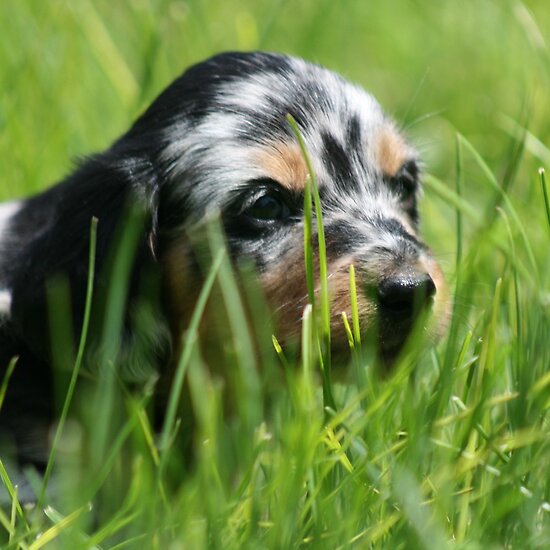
x,y
76,74
470,438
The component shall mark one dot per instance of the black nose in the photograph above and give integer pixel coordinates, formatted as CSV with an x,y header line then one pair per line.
x,y
403,296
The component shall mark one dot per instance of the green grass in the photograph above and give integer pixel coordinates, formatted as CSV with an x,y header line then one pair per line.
x,y
451,451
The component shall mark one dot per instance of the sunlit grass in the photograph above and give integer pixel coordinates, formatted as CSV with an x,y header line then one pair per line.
x,y
452,450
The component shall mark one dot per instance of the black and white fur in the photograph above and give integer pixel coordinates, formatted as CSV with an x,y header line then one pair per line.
x,y
217,139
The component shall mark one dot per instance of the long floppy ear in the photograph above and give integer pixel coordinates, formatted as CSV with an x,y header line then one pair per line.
x,y
52,234
102,187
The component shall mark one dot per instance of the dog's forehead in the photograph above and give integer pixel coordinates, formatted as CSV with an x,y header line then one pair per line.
x,y
244,133
334,115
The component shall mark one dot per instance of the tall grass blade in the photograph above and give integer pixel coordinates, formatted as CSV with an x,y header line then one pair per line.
x,y
354,306
6,379
58,529
12,491
544,186
322,258
190,341
243,346
78,361
130,232
513,212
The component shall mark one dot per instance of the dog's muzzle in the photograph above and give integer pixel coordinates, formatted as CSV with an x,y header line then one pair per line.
x,y
402,299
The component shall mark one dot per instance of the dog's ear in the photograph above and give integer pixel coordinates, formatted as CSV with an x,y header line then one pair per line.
x,y
103,187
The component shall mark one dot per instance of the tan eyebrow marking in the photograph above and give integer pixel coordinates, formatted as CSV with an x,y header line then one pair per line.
x,y
284,163
390,151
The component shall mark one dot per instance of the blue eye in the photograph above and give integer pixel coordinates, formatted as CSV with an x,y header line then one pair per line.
x,y
269,208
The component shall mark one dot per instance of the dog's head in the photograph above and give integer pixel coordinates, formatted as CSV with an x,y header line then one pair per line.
x,y
219,140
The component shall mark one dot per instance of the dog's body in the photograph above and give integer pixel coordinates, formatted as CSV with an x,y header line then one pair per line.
x,y
218,139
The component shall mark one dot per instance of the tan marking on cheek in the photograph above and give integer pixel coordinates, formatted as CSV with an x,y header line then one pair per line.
x,y
340,297
442,306
180,288
391,151
284,163
286,292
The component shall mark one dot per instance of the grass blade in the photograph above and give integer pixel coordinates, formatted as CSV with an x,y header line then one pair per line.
x,y
322,257
6,380
78,361
542,176
190,339
12,491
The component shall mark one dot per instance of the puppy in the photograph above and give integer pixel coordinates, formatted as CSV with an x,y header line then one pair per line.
x,y
218,139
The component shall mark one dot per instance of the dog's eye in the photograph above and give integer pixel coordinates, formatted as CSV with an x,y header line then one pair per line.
x,y
269,207
405,183
406,179
406,189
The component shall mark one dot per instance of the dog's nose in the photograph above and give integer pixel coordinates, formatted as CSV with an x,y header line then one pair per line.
x,y
403,296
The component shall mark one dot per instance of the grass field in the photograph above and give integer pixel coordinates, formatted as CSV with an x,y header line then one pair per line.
x,y
451,451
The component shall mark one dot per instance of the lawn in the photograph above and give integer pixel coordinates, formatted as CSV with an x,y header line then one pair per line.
x,y
453,450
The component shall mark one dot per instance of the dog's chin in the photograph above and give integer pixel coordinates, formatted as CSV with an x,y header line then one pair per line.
x,y
383,356
393,333
387,357
384,345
